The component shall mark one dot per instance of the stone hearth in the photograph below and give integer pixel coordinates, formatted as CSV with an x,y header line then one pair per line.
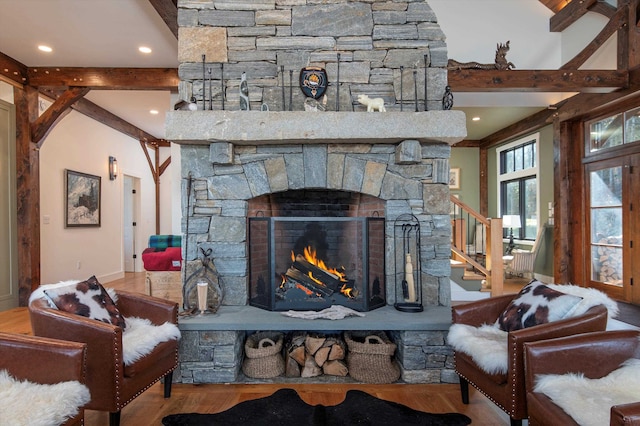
x,y
393,50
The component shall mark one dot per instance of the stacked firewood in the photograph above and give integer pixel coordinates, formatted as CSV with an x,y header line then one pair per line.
x,y
311,355
609,260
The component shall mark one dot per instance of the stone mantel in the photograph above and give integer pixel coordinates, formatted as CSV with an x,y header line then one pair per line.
x,y
280,127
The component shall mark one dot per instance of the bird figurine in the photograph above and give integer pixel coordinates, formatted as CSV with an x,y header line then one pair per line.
x,y
244,93
447,99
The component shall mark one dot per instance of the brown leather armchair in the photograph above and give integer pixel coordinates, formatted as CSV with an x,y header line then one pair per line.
x,y
507,391
44,361
112,384
593,354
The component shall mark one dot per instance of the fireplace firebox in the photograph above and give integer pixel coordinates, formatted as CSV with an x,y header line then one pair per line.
x,y
311,263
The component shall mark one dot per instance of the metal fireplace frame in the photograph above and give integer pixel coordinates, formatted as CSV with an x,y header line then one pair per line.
x,y
271,303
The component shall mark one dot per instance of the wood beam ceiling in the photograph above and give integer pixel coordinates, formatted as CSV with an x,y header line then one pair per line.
x,y
42,125
12,71
592,97
616,22
107,118
104,78
168,11
474,80
554,5
66,87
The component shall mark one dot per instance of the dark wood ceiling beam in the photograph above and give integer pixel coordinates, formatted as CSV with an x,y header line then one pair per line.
x,y
631,42
616,22
591,103
105,78
569,14
603,8
168,11
109,119
473,80
41,127
554,5
522,127
13,71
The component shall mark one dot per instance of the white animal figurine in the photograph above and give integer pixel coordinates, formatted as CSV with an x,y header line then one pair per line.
x,y
372,104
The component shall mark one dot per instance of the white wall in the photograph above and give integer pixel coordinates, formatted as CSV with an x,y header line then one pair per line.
x,y
176,190
474,27
82,144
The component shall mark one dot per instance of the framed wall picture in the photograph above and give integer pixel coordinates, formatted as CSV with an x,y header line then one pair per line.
x,y
82,199
454,178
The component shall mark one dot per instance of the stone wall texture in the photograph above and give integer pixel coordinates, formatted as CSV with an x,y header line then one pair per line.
x,y
379,48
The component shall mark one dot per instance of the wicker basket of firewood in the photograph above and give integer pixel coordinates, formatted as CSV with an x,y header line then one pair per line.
x,y
263,355
370,357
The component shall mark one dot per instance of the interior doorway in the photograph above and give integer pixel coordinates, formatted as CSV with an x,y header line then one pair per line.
x,y
131,193
8,220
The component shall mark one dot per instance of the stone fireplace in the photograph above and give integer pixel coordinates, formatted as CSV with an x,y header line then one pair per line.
x,y
253,170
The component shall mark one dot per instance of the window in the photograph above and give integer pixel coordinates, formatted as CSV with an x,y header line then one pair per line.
x,y
518,185
615,130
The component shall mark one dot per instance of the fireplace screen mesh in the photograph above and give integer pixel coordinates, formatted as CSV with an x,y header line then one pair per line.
x,y
313,263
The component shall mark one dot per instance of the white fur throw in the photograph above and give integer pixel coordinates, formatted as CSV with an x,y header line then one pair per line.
x,y
589,401
487,344
24,403
141,336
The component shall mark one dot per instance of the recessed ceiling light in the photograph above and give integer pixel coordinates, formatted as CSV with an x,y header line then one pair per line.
x,y
475,119
144,49
153,111
44,48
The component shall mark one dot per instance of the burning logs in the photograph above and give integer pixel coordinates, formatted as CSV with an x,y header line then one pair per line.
x,y
308,282
329,279
311,355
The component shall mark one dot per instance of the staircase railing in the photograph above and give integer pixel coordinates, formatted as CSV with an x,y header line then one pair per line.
x,y
477,240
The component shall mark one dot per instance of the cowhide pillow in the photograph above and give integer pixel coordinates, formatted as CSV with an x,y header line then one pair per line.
x,y
536,304
87,298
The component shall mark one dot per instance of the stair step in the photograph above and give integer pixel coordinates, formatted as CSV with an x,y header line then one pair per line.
x,y
473,276
458,264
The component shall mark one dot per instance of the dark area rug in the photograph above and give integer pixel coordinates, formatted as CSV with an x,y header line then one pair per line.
x,y
285,407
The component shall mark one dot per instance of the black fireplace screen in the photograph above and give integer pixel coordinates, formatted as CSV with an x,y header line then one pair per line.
x,y
313,263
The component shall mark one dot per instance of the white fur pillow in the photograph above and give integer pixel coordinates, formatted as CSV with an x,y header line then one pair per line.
x,y
23,403
590,297
589,401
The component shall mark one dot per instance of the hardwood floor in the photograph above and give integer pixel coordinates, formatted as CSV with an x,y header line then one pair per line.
x,y
150,407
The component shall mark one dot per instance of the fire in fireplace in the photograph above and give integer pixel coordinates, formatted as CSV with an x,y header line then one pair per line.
x,y
312,263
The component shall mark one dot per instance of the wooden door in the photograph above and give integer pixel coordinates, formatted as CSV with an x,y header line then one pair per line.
x,y
613,224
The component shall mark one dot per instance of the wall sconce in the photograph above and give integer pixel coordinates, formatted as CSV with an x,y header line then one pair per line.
x,y
113,168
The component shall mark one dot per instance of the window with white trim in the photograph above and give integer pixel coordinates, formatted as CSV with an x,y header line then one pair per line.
x,y
518,185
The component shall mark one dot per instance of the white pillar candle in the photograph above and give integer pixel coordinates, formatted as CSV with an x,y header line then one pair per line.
x,y
408,277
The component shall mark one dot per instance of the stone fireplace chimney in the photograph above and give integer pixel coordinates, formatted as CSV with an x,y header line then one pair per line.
x,y
390,50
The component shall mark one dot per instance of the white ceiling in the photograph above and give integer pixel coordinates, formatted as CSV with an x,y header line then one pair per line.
x,y
107,33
